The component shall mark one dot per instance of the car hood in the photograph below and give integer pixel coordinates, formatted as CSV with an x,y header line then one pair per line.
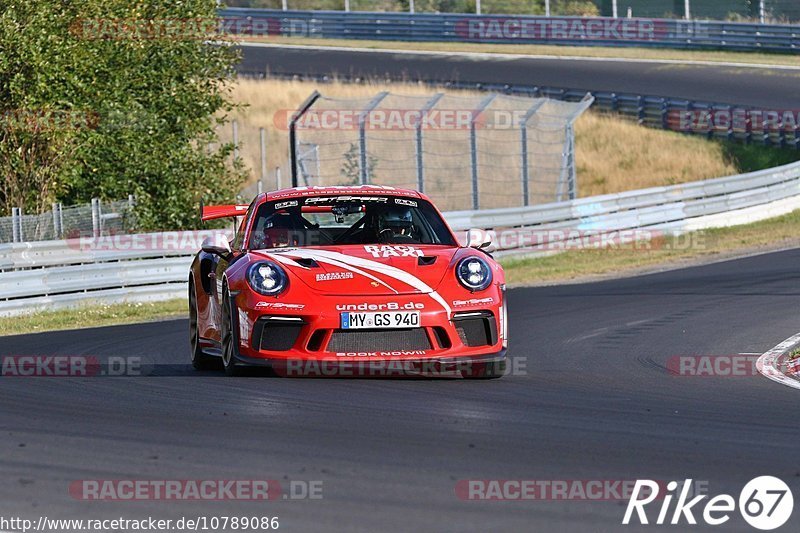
x,y
367,270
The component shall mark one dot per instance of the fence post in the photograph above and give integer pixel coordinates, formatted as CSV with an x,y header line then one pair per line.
x,y
473,146
362,137
95,217
293,133
16,224
419,146
524,140
572,186
58,230
263,136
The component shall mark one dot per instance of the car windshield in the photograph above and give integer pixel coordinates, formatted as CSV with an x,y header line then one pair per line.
x,y
334,220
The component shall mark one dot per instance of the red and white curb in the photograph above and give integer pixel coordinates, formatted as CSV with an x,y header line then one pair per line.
x,y
769,364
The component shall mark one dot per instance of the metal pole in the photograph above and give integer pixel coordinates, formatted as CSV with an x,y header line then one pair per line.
x,y
572,187
278,178
16,224
95,217
56,231
547,8
687,10
411,7
473,145
60,220
524,139
420,160
235,140
362,137
260,186
762,12
614,11
285,5
263,135
347,5
478,7
293,133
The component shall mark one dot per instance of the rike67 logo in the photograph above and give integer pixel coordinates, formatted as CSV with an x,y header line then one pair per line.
x,y
765,503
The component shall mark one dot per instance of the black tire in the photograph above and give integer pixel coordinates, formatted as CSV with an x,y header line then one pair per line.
x,y
228,338
200,360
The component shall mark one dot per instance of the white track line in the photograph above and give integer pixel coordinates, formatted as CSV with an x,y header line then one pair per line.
x,y
487,55
767,367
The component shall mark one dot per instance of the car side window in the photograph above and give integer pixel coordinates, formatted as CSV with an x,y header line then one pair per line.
x,y
238,239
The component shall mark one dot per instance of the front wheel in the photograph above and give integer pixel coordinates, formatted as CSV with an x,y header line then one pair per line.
x,y
229,347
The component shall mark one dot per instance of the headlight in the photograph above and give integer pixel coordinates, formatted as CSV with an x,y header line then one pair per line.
x,y
267,278
474,273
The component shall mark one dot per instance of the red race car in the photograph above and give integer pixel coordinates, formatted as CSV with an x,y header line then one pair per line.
x,y
341,281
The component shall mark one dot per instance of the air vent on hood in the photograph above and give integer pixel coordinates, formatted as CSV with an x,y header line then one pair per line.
x,y
308,263
426,260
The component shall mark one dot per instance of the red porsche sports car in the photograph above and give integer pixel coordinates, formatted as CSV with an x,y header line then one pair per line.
x,y
336,281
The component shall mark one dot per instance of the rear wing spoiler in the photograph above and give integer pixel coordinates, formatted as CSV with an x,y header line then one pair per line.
x,y
214,212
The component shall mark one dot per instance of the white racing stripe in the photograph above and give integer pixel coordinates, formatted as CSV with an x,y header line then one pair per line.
x,y
290,261
768,367
346,261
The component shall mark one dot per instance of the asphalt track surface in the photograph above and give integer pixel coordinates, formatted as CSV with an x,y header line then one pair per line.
x,y
744,86
595,402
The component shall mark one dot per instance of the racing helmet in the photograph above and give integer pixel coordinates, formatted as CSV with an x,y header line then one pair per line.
x,y
395,223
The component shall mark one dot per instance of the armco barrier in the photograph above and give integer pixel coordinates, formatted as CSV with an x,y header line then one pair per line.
x,y
513,29
63,273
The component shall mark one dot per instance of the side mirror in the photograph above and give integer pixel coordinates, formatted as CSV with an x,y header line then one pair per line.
x,y
481,240
220,246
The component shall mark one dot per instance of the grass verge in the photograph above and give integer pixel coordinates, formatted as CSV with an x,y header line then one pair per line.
x,y
759,58
91,316
692,248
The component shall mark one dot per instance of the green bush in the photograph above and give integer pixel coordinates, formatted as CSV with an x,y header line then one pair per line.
x,y
144,102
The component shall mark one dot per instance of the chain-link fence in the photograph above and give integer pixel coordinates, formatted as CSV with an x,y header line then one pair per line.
x,y
466,152
94,219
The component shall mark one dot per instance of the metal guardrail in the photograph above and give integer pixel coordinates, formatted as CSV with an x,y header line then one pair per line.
x,y
59,274
513,29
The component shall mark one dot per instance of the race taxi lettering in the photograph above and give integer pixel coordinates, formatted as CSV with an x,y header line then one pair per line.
x,y
284,205
386,251
334,276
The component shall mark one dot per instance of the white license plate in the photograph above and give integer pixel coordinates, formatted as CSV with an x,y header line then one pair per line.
x,y
388,320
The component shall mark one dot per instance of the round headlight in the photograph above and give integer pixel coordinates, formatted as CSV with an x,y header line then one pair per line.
x,y
474,273
267,278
